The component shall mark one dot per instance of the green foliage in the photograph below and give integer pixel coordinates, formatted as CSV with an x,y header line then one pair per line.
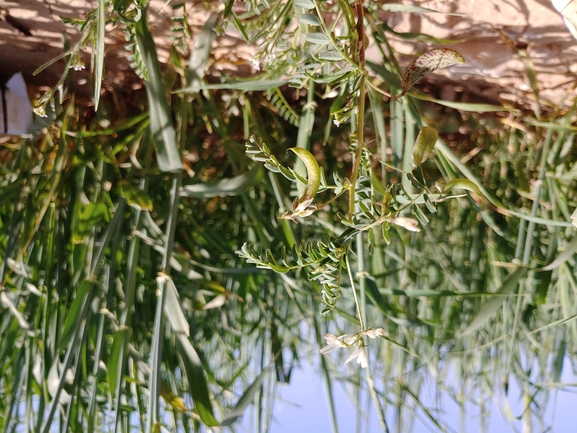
x,y
324,260
276,98
154,272
180,31
136,62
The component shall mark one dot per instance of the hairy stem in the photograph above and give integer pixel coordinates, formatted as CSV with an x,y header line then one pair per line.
x,y
361,105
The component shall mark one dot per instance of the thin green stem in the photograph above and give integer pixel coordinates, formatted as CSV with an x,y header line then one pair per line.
x,y
376,402
357,303
329,201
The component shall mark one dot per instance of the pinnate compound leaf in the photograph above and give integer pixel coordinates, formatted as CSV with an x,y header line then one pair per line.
x,y
168,156
428,62
424,145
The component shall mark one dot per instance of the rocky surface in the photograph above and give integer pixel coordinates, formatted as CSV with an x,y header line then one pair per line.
x,y
498,38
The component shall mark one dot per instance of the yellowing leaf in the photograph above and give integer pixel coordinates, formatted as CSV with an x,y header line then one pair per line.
x,y
424,145
429,62
172,399
91,216
135,197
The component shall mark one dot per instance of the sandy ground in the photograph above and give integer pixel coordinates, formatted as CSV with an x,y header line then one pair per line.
x,y
495,35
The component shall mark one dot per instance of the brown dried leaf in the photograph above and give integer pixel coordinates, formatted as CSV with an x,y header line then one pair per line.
x,y
431,61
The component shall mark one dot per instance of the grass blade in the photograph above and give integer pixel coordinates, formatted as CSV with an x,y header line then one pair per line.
x,y
77,312
172,307
155,377
201,52
160,118
398,7
491,307
198,387
225,187
244,86
99,51
563,257
236,412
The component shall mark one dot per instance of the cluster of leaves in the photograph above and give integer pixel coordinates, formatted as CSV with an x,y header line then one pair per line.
x,y
180,31
113,255
369,212
325,260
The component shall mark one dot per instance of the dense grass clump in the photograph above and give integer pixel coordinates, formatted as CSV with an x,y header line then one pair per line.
x,y
167,269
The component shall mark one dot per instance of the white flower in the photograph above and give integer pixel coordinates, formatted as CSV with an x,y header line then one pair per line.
x,y
334,342
347,340
374,333
361,355
255,60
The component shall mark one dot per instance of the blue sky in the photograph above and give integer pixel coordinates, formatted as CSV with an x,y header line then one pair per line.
x,y
301,407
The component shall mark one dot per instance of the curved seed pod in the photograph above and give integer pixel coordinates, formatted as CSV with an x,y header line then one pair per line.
x,y
313,172
302,205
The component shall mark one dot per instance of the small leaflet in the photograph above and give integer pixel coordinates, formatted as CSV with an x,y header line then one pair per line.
x,y
310,20
318,38
305,4
331,56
